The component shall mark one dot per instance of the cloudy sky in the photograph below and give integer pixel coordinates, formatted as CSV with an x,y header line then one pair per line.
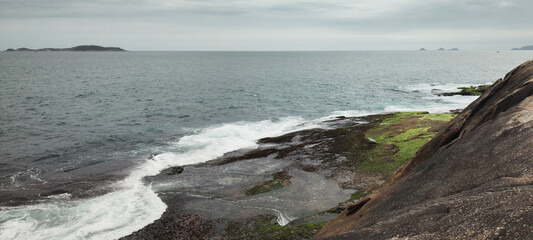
x,y
267,24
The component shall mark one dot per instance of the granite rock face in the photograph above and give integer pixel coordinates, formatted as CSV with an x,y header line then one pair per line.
x,y
474,180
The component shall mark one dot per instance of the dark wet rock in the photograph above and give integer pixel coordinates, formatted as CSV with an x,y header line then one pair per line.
x,y
280,179
176,170
175,224
240,155
300,174
474,180
456,111
352,208
422,49
465,91
438,92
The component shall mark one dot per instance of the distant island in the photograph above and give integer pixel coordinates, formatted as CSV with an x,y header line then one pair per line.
x,y
81,48
528,47
440,49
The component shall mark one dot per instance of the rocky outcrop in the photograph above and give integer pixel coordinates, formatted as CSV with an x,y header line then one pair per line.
x,y
309,176
474,180
465,91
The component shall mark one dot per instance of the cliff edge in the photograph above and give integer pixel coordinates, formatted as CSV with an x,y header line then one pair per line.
x,y
474,180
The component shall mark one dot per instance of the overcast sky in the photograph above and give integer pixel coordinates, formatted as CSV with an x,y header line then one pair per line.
x,y
267,24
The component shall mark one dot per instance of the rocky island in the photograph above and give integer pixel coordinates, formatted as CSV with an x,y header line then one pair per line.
x,y
528,47
81,48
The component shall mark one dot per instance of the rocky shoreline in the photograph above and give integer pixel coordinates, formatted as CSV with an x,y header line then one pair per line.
x,y
304,178
399,175
405,175
474,180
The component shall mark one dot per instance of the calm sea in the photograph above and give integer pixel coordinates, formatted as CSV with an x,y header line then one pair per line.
x,y
77,129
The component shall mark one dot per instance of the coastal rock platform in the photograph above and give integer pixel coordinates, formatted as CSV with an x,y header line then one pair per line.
x,y
289,186
474,180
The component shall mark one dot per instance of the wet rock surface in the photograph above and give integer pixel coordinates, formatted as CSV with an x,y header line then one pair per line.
x,y
465,91
474,180
304,178
285,178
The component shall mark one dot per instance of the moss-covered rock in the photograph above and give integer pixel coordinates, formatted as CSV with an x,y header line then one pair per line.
x,y
264,227
280,179
469,91
397,138
359,154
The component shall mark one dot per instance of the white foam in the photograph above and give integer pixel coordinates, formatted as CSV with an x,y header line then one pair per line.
x,y
282,218
213,142
110,216
434,104
134,205
353,113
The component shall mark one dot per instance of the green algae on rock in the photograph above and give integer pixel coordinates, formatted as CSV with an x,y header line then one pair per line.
x,y
471,181
315,174
264,227
280,179
468,91
357,195
398,137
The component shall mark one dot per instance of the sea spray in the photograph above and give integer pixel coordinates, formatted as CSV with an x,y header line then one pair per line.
x,y
134,205
108,216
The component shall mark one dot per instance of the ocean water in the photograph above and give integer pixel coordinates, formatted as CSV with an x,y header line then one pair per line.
x,y
78,131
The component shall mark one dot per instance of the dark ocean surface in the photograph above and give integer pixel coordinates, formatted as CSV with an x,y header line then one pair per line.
x,y
77,129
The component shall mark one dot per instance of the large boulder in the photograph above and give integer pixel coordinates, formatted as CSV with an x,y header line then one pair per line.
x,y
474,180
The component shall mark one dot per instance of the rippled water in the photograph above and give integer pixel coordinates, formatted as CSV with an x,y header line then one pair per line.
x,y
75,126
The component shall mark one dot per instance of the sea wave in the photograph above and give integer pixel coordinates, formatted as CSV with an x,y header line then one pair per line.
x,y
133,204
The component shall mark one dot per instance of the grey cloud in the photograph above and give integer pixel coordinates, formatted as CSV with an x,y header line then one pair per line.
x,y
313,20
445,15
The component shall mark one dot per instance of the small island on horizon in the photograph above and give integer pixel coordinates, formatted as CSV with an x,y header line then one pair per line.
x,y
81,48
528,47
440,49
